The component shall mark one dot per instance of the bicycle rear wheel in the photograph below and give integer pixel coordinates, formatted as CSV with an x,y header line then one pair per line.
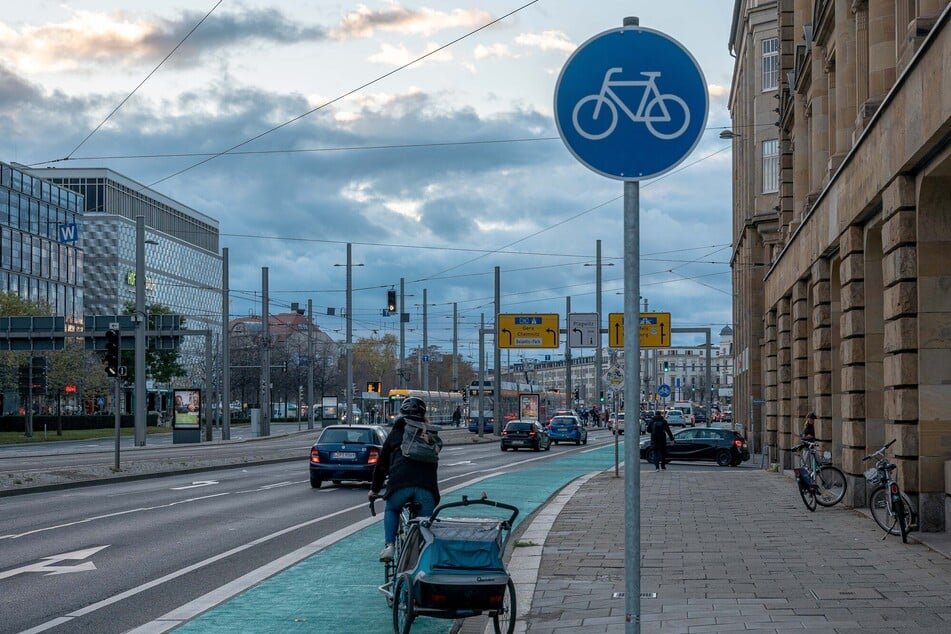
x,y
504,619
832,485
890,522
404,611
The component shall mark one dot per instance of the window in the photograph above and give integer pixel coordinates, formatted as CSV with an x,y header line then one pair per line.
x,y
771,165
770,63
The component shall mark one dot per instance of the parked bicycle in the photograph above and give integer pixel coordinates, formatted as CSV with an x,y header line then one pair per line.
x,y
828,483
891,509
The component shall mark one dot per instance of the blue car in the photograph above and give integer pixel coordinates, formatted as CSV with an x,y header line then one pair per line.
x,y
346,453
567,429
487,426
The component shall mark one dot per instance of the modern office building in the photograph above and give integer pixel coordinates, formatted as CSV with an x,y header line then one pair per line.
x,y
849,304
182,260
34,262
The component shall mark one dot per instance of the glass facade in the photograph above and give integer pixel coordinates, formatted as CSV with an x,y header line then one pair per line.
x,y
183,267
34,264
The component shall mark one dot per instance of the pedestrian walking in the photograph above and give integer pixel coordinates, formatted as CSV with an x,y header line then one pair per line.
x,y
457,416
660,432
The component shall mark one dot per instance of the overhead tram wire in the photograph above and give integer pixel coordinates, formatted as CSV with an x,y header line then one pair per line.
x,y
141,83
348,93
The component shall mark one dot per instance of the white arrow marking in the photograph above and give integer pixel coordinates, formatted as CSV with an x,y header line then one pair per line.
x,y
47,563
195,485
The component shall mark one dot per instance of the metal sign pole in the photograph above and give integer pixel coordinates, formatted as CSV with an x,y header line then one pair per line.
x,y
632,355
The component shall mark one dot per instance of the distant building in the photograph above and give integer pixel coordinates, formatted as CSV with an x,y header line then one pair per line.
x,y
35,263
182,260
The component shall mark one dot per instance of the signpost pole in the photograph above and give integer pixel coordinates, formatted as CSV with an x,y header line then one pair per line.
x,y
632,352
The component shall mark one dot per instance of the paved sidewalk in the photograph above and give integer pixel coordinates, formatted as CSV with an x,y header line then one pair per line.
x,y
724,550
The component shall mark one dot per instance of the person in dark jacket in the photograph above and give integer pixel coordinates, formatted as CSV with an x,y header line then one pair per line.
x,y
809,428
408,480
660,432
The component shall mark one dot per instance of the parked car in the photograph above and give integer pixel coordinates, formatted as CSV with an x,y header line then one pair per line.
x,y
567,429
617,427
346,453
525,434
724,446
676,418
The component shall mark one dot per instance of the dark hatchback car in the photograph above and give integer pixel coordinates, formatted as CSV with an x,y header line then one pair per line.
x,y
346,453
525,434
724,446
567,429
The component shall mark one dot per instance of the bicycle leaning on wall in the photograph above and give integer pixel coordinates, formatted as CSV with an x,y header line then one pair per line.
x,y
891,508
819,482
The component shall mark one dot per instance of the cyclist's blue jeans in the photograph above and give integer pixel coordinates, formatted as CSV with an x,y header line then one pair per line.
x,y
394,504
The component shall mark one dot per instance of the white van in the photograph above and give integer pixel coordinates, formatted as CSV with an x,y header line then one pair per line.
x,y
687,408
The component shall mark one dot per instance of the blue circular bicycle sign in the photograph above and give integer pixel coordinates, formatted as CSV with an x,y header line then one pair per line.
x,y
631,103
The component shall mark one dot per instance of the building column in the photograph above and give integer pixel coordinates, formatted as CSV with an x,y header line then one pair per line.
x,y
818,123
844,87
771,409
801,401
900,345
881,48
860,9
784,379
821,355
852,357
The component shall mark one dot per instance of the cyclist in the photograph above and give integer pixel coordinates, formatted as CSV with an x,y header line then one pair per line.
x,y
409,480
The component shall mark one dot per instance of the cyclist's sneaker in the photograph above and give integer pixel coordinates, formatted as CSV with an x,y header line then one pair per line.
x,y
387,553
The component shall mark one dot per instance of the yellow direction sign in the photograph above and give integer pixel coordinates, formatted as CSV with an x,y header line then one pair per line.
x,y
654,333
527,331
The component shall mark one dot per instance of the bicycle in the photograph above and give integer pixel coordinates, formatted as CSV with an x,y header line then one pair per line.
x,y
891,509
829,482
651,100
408,516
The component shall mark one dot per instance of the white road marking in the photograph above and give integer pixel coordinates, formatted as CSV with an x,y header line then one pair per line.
x,y
195,485
47,564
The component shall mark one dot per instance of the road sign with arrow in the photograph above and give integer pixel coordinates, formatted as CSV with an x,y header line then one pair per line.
x,y
654,330
583,330
527,331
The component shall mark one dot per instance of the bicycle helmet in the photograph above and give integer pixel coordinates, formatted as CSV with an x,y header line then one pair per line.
x,y
413,406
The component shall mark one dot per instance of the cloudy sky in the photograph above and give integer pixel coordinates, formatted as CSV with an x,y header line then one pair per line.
x,y
437,171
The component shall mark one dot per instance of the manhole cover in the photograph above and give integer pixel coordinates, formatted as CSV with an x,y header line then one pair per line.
x,y
852,593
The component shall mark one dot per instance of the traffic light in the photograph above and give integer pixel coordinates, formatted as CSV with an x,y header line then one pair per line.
x,y
39,372
602,397
112,352
577,394
284,366
666,367
391,301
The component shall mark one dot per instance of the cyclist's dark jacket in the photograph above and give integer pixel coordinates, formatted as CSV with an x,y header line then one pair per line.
x,y
402,471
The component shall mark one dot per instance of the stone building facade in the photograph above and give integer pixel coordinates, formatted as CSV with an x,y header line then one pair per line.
x,y
856,283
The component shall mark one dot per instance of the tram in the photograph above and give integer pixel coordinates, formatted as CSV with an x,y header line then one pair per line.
x,y
482,402
439,405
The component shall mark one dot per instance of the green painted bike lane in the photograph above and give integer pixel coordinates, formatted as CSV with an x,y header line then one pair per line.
x,y
336,590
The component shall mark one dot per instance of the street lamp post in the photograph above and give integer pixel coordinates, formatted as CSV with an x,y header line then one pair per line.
x,y
349,390
141,323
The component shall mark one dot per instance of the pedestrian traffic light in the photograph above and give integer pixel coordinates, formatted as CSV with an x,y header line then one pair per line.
x,y
666,367
602,397
391,301
374,386
112,352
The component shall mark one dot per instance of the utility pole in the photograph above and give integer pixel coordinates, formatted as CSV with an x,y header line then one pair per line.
x,y
598,369
265,357
570,398
349,411
402,371
455,347
225,348
497,427
482,390
424,357
140,326
310,364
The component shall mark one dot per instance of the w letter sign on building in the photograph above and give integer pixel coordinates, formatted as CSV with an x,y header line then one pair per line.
x,y
631,103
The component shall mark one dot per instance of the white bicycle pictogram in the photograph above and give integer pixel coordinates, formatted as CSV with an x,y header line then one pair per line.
x,y
652,110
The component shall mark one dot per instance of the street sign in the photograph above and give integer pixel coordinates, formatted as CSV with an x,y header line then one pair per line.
x,y
68,233
583,330
663,391
631,103
654,330
527,331
614,377
759,401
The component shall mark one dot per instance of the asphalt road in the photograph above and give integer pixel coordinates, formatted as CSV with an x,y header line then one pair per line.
x,y
111,557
